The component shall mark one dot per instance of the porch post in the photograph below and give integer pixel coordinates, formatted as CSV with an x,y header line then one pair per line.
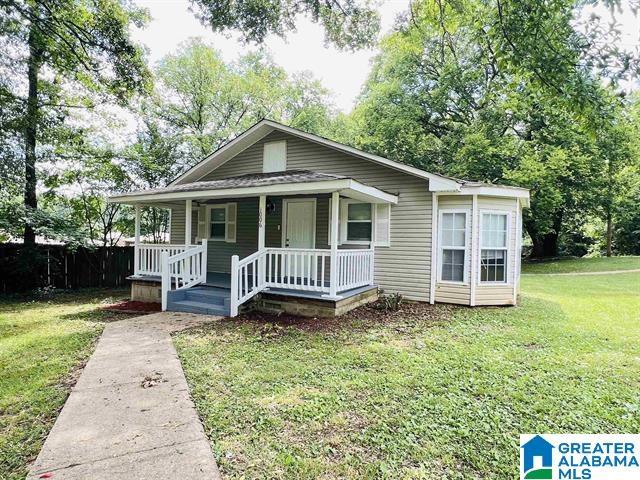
x,y
262,220
333,276
136,250
187,223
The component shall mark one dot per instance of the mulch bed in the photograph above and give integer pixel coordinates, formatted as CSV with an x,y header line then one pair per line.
x,y
362,318
128,306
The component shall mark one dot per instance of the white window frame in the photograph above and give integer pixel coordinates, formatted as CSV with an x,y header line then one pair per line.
x,y
227,221
507,248
465,248
346,240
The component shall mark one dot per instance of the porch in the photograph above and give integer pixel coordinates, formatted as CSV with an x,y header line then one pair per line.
x,y
230,258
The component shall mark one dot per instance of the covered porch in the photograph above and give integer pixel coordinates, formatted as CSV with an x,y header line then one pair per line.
x,y
273,233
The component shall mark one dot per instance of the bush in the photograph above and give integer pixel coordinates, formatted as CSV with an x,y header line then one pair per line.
x,y
389,303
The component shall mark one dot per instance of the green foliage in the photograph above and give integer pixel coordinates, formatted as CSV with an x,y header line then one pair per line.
x,y
201,102
505,92
347,23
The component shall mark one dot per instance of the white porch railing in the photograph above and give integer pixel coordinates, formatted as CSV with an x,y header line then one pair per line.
x,y
148,258
355,268
183,270
297,269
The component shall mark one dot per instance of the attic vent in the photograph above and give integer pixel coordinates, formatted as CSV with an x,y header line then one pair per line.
x,y
275,157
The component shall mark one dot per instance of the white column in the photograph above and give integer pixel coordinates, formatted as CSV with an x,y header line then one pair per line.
x,y
136,250
187,222
262,220
262,212
333,276
434,247
475,234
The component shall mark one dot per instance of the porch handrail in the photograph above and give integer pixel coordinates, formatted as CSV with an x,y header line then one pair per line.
x,y
297,269
355,268
183,270
148,258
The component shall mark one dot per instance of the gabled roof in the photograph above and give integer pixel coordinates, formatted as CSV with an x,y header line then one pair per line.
x,y
437,182
265,127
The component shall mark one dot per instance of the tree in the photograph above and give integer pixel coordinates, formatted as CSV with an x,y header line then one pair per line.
x,y
497,91
58,43
201,102
347,23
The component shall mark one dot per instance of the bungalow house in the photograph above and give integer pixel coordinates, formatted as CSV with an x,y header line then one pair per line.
x,y
316,227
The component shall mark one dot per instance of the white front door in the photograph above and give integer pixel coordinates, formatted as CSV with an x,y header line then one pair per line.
x,y
299,230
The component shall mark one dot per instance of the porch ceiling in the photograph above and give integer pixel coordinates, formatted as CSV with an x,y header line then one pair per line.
x,y
299,182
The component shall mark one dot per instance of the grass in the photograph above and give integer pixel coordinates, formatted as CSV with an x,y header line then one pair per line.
x,y
439,398
578,265
41,343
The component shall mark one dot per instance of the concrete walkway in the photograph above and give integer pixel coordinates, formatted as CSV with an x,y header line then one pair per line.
x,y
130,415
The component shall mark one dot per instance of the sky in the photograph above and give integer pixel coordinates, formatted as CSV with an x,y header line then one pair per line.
x,y
342,72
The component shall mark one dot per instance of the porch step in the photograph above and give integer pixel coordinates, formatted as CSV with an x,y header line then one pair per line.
x,y
199,307
202,300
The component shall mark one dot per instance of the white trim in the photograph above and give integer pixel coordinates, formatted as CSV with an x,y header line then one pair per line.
x,y
345,240
188,220
227,221
285,205
465,248
495,191
434,248
507,278
475,240
219,206
518,252
265,127
347,187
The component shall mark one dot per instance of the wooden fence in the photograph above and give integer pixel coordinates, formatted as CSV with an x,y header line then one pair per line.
x,y
24,269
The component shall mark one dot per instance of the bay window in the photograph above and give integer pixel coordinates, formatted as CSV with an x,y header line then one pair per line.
x,y
453,246
493,248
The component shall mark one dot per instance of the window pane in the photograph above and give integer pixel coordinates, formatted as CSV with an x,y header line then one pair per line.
x,y
453,265
458,257
458,238
458,273
359,231
459,221
217,214
492,266
447,221
447,238
217,230
359,211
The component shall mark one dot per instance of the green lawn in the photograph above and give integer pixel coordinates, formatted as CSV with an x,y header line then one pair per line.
x,y
439,398
575,265
41,343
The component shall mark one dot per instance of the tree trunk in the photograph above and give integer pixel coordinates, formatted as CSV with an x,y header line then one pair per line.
x,y
545,246
609,232
31,127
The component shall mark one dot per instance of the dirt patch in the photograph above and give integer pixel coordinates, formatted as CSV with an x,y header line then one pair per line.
x,y
129,306
361,318
153,380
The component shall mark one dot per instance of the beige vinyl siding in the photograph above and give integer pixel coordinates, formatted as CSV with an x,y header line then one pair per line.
x,y
450,292
499,294
403,267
